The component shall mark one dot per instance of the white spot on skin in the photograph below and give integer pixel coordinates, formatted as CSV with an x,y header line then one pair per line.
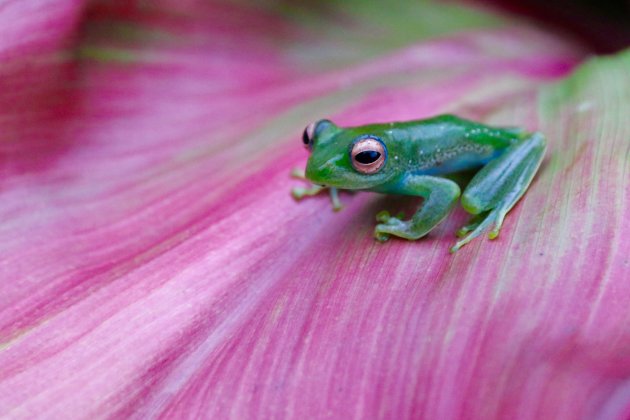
x,y
395,157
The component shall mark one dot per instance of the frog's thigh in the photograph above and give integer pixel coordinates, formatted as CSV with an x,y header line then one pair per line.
x,y
440,196
501,183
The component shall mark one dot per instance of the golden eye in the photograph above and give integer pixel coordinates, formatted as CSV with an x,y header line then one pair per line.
x,y
368,155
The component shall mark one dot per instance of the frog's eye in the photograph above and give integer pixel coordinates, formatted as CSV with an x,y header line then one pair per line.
x,y
307,136
368,155
315,129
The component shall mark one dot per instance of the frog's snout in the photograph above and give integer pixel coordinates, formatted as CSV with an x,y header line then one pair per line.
x,y
326,169
318,173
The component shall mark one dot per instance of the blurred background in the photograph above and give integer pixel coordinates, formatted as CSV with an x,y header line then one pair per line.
x,y
602,24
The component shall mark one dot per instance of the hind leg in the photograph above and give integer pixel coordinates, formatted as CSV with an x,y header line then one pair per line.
x,y
498,186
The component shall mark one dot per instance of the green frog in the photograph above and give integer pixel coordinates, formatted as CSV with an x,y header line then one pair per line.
x,y
413,157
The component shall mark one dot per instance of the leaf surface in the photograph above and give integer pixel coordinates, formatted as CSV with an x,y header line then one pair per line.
x,y
153,263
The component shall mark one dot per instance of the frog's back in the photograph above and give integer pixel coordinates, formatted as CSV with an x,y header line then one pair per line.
x,y
446,144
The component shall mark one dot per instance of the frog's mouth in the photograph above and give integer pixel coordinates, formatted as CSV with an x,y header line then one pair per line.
x,y
329,174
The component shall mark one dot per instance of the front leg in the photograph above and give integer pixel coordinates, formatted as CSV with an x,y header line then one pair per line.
x,y
440,195
299,193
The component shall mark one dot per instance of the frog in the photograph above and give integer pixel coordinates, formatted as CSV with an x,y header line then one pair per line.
x,y
416,158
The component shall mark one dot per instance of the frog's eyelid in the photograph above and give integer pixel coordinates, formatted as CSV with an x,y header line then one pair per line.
x,y
321,125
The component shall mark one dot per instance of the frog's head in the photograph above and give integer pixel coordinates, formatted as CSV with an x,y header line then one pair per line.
x,y
348,158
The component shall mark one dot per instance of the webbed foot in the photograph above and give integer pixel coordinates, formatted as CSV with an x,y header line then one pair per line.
x,y
390,225
472,224
478,225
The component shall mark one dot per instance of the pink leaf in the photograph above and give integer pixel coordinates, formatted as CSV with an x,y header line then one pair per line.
x,y
153,263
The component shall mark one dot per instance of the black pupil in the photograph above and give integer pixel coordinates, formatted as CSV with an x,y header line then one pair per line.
x,y
367,157
305,138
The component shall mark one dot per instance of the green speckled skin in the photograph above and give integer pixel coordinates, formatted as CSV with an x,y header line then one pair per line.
x,y
418,154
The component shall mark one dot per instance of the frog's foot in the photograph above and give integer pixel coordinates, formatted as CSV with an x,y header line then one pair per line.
x,y
478,225
391,225
472,224
298,174
299,193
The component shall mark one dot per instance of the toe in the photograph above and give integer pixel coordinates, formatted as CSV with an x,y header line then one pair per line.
x,y
379,234
383,216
